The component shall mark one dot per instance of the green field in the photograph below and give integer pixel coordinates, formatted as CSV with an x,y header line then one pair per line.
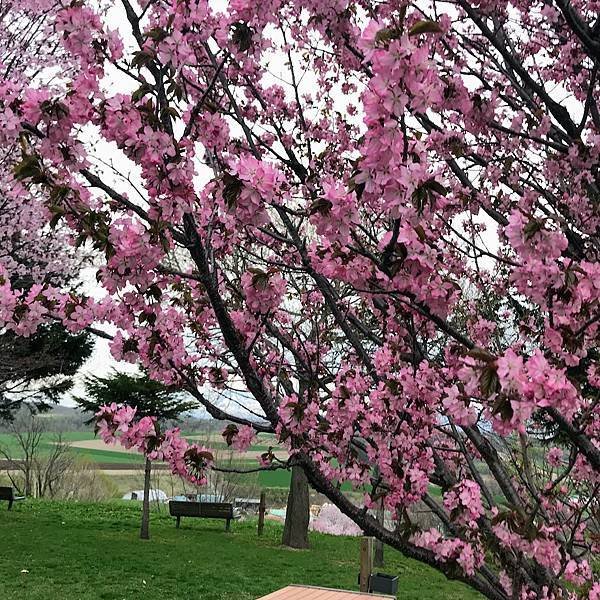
x,y
9,444
7,440
92,552
267,479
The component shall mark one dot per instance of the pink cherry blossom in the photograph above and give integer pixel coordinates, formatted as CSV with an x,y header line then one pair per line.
x,y
374,227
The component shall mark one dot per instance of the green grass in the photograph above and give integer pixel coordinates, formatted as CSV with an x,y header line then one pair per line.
x,y
108,456
92,551
274,479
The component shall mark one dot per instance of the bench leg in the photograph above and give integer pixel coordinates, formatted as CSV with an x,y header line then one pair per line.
x,y
227,525
10,503
178,521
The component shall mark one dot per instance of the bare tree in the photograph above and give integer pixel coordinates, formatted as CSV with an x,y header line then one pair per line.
x,y
231,481
30,470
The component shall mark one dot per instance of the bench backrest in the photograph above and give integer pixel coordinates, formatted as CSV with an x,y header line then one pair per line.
x,y
181,508
7,493
216,510
209,510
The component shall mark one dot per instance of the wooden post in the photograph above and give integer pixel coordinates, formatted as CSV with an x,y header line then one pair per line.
x,y
366,562
261,513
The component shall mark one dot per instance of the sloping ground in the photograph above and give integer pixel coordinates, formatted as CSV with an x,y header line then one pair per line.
x,y
92,552
98,445
93,448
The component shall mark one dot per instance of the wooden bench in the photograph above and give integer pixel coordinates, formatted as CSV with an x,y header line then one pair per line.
x,y
202,510
8,493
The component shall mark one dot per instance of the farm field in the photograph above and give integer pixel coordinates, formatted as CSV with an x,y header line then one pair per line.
x,y
89,445
100,453
125,467
64,550
116,458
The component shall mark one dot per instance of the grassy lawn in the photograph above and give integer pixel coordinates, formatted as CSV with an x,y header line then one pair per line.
x,y
91,551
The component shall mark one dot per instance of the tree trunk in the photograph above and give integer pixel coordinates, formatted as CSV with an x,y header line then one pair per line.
x,y
145,529
297,515
380,516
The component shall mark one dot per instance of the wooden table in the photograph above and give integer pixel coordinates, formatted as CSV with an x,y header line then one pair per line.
x,y
305,592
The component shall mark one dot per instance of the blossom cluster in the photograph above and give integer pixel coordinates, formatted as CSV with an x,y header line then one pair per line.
x,y
331,520
263,291
118,423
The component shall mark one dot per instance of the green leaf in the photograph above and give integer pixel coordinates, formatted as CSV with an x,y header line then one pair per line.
x,y
533,226
357,188
242,36
260,279
435,186
480,354
59,193
28,168
321,205
144,89
206,455
425,27
383,36
55,219
420,232
426,193
157,34
229,433
503,407
170,112
141,58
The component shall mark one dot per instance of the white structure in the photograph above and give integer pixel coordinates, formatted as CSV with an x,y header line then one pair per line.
x,y
154,495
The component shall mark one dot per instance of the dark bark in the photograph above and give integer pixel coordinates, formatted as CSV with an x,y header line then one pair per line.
x,y
378,556
145,528
484,581
297,515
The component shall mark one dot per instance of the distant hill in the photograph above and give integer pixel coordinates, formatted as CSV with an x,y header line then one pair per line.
x,y
71,418
63,411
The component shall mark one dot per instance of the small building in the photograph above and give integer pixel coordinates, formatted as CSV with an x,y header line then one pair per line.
x,y
154,495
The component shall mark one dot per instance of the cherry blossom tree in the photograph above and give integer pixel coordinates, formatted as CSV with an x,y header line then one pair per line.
x,y
331,520
38,368
394,202
28,255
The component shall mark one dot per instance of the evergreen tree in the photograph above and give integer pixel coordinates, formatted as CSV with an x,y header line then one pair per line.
x,y
150,399
38,369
